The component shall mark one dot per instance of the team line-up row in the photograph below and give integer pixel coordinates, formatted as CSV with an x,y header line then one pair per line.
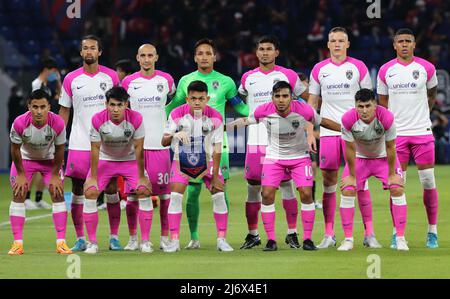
x,y
108,141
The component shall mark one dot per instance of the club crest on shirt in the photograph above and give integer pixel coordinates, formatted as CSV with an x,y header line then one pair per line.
x,y
127,133
349,74
215,84
295,123
193,159
160,87
103,86
48,138
415,74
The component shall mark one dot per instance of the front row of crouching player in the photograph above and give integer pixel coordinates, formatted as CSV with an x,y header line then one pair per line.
x,y
195,133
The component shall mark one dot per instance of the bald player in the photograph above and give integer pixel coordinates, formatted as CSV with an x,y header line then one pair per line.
x,y
149,90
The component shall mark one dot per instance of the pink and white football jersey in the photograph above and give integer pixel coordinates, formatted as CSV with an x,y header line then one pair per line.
x,y
38,143
370,138
86,93
208,126
148,95
287,137
117,139
257,86
406,85
337,84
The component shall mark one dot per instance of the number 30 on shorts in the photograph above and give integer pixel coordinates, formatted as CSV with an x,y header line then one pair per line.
x,y
163,178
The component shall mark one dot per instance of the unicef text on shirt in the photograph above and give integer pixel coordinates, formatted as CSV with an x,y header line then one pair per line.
x,y
404,85
94,98
150,99
338,86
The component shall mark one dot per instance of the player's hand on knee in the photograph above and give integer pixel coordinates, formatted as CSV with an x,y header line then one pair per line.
x,y
144,187
395,179
183,137
348,181
20,186
56,187
216,185
90,186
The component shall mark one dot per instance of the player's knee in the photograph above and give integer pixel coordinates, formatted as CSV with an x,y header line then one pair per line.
x,y
348,192
305,194
395,192
426,177
287,190
91,193
268,195
219,204
254,193
176,201
329,177
112,198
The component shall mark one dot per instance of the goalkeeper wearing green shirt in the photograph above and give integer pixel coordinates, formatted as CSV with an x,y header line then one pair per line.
x,y
221,89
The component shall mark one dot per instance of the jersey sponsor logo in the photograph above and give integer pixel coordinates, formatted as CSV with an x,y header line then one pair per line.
x,y
216,85
415,74
160,87
103,86
404,85
150,99
338,86
349,74
94,98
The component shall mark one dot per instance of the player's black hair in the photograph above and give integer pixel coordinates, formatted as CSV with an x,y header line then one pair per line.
x,y
404,31
205,41
281,85
38,94
93,37
47,63
117,93
338,29
272,39
126,65
365,95
197,85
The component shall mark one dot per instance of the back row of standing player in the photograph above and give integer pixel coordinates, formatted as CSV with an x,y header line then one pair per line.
x,y
408,81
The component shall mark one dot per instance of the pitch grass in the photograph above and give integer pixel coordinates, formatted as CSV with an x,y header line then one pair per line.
x,y
40,261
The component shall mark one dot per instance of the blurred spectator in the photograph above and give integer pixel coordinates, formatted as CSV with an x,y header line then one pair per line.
x,y
439,122
50,80
124,68
16,104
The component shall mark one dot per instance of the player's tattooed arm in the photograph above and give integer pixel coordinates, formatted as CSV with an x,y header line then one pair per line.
x,y
384,100
95,155
350,155
431,95
329,124
64,112
20,186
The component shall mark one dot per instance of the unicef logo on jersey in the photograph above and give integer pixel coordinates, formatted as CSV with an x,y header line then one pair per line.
x,y
338,86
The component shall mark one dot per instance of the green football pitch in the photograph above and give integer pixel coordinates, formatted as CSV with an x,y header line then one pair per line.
x,y
41,261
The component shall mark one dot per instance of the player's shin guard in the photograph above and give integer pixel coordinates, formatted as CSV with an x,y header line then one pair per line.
x,y
164,201
145,217
174,214
268,218
329,208
90,215
430,195
308,214
193,208
60,219
132,214
220,214
17,219
399,210
290,205
76,212
347,210
113,208
252,207
365,206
